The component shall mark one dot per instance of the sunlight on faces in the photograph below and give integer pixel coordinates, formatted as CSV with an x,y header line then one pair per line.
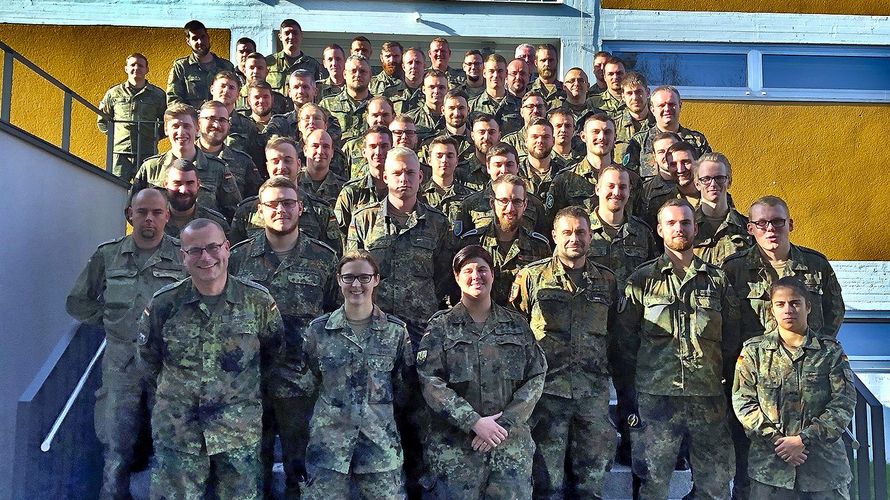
x,y
283,160
455,110
613,73
613,190
485,135
509,205
243,50
790,309
379,113
712,191
599,137
402,177
473,67
403,134
256,69
539,141
148,214
182,188
660,148
260,101
361,48
358,293
439,55
319,149
391,59
517,76
375,150
495,75
301,89
599,66
665,107
209,267
533,107
358,75
576,84
772,237
527,54
681,163
278,218
199,42
180,130
334,61
563,128
546,63
310,120
475,278
214,125
225,91
571,237
443,160
636,97
434,89
502,164
136,68
676,226
412,65
291,38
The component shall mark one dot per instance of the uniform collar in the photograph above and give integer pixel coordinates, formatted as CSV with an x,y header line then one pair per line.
x,y
772,341
756,260
233,294
460,315
664,264
337,320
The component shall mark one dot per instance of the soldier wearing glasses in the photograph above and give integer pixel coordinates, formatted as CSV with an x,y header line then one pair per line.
x,y
721,228
208,345
300,273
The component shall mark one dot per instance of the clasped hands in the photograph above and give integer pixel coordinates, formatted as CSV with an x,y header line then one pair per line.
x,y
489,434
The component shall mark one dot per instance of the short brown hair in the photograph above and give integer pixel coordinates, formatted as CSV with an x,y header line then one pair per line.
x,y
277,181
675,202
574,212
179,109
356,255
769,201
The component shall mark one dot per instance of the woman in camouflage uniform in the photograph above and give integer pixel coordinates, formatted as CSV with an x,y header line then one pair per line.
x,y
794,395
357,365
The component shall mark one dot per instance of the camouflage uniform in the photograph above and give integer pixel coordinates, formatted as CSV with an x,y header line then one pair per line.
x,y
200,213
385,85
505,110
327,88
631,247
190,80
626,127
304,286
808,393
281,67
355,195
317,221
280,103
517,140
472,91
456,77
526,247
286,126
428,124
540,185
576,185
247,176
655,192
407,100
243,136
350,114
751,276
472,173
476,211
208,364
678,338
465,145
327,189
219,191
553,99
447,200
715,242
573,323
639,152
610,104
133,142
111,292
469,370
414,260
357,383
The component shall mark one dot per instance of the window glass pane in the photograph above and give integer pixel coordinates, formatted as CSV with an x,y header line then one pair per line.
x,y
689,70
826,72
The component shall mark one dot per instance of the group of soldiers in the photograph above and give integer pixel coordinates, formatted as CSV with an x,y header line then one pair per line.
x,y
613,244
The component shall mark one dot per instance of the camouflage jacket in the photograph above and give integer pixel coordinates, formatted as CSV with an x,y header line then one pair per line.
x,y
112,290
207,366
189,80
327,88
678,336
357,382
415,260
655,192
350,114
626,127
219,190
317,221
609,103
505,110
573,324
355,195
631,247
527,247
304,285
808,393
517,140
200,213
428,124
640,150
540,185
407,100
715,243
468,371
386,85
280,69
476,211
280,103
147,106
447,200
247,176
751,276
328,189
575,185
472,173
553,99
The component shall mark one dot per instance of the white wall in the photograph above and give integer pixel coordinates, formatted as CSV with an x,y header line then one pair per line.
x,y
53,214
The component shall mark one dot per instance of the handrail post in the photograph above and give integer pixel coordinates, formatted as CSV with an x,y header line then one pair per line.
x,y
6,100
879,453
109,146
863,478
66,123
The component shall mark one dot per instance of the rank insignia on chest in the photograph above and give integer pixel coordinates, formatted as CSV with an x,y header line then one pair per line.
x,y
142,339
421,357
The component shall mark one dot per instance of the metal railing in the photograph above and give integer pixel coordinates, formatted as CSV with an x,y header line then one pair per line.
x,y
10,57
867,453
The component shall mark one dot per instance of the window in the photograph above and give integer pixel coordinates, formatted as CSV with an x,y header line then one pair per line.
x,y
763,72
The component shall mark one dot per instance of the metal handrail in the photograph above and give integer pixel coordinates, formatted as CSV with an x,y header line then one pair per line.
x,y
47,442
870,452
10,56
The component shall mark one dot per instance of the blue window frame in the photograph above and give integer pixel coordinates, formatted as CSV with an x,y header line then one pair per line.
x,y
762,72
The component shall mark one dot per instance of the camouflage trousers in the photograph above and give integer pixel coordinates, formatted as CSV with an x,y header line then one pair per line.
x,y
233,475
664,422
291,419
125,165
456,471
121,417
741,483
762,491
326,484
574,433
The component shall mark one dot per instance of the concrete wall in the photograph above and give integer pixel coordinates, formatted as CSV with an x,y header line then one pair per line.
x,y
52,223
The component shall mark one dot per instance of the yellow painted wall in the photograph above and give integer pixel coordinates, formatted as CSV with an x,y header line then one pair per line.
x,y
89,60
851,7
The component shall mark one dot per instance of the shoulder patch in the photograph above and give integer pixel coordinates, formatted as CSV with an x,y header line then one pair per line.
x,y
141,339
396,320
472,232
240,244
539,236
811,251
421,356
459,227
321,319
514,292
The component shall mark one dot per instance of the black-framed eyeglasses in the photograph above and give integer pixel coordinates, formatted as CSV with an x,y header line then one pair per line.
x,y
211,249
506,201
362,278
764,224
409,133
215,119
286,203
720,180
